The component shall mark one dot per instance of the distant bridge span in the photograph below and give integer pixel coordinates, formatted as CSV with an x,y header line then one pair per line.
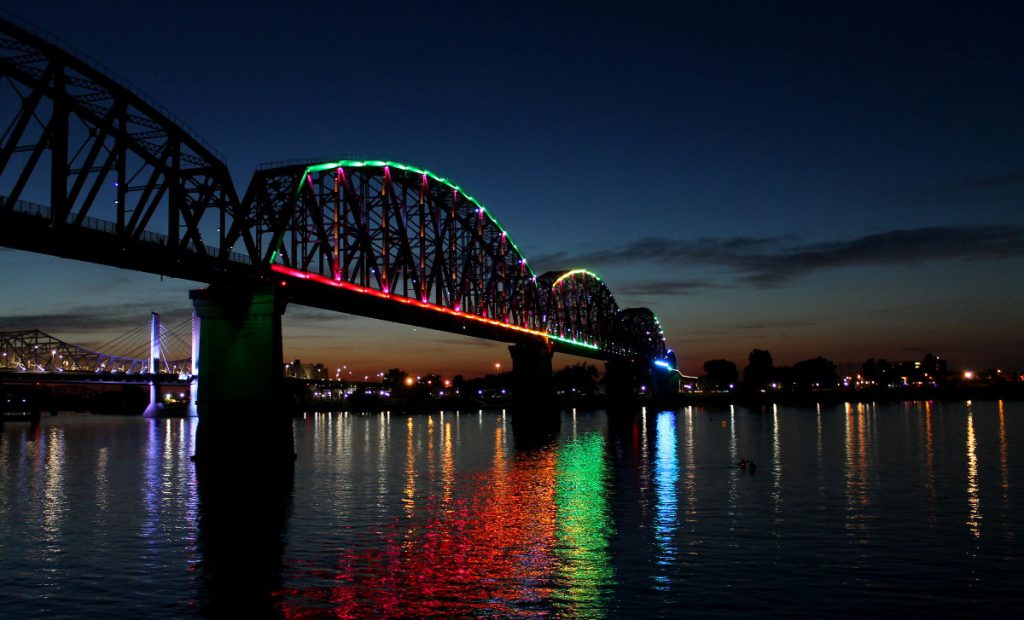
x,y
125,184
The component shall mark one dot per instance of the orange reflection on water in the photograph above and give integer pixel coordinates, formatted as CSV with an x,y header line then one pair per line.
x,y
447,463
856,458
973,496
409,490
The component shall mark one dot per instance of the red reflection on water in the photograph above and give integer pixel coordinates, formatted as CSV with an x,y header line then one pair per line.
x,y
490,548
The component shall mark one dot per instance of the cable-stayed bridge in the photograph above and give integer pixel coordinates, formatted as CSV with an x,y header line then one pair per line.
x,y
130,353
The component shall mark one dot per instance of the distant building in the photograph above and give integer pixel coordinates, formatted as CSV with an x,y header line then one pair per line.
x,y
298,370
931,370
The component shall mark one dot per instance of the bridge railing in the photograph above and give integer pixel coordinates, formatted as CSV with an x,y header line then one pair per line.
x,y
25,207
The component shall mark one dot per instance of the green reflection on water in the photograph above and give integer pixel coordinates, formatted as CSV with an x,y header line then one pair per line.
x,y
583,527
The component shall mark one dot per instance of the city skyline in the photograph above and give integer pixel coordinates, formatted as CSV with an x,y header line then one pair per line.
x,y
755,182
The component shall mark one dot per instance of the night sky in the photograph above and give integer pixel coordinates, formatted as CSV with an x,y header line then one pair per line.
x,y
805,178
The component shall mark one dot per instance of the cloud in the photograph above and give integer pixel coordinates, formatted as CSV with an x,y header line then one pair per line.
x,y
123,317
773,261
665,287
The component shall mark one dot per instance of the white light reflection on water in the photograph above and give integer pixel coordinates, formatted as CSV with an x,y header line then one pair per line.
x,y
776,464
54,501
151,488
819,452
167,476
734,473
666,475
383,452
186,480
690,477
645,465
102,483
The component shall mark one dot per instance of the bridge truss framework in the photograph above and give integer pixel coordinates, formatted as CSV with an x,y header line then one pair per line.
x,y
127,185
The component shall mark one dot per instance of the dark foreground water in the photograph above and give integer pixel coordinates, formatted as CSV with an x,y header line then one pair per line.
x,y
857,510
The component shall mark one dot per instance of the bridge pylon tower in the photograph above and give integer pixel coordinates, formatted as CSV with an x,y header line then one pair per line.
x,y
154,407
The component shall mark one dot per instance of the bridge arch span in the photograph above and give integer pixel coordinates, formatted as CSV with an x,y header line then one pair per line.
x,y
638,334
393,229
578,305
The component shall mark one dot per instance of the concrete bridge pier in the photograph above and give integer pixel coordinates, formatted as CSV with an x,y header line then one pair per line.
x,y
531,373
624,379
243,419
536,417
631,380
665,380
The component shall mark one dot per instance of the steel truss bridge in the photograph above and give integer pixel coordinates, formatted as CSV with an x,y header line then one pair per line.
x,y
127,185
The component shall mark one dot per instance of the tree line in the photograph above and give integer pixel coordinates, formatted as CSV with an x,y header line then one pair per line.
x,y
760,373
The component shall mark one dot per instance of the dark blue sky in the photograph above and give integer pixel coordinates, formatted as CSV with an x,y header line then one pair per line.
x,y
799,177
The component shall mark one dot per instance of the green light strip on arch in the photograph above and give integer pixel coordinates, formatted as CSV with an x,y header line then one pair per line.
x,y
379,163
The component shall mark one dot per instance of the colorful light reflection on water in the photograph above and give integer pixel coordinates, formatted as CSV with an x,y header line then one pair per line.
x,y
527,536
903,509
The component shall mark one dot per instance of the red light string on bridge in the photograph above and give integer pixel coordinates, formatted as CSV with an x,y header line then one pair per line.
x,y
312,277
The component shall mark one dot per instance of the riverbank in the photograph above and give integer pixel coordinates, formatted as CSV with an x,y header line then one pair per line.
x,y
364,403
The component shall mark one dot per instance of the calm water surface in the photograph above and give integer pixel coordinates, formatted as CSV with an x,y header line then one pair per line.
x,y
902,509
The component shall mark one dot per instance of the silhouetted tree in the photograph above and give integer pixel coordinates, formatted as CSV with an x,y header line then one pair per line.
x,y
759,370
870,370
721,374
394,378
581,377
814,373
782,378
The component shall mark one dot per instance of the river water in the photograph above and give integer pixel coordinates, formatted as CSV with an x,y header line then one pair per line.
x,y
882,510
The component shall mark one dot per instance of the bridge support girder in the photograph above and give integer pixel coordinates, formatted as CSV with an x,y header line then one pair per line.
x,y
240,394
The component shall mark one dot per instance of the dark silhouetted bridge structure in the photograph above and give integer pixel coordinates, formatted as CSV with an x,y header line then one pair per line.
x,y
120,182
